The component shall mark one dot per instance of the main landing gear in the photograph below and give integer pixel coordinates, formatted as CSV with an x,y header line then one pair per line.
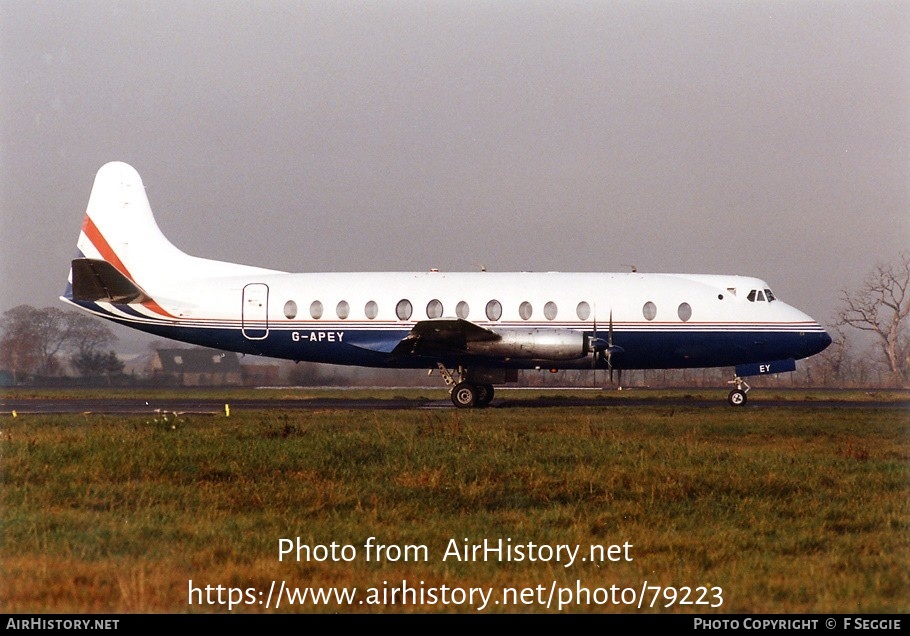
x,y
737,396
466,394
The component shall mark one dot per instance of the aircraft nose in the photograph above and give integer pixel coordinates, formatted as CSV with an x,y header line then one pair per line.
x,y
815,338
818,342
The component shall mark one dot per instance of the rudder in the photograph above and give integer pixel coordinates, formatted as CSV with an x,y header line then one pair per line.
x,y
120,229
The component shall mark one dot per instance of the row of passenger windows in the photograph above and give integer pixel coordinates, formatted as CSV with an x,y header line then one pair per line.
x,y
493,310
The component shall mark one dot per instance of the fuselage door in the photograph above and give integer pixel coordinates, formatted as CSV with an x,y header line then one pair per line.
x,y
255,311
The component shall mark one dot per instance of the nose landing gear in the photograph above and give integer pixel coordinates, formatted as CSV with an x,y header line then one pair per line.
x,y
737,396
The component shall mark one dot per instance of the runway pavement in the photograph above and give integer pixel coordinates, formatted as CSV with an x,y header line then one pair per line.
x,y
184,405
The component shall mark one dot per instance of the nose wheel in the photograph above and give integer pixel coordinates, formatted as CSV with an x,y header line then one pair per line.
x,y
737,397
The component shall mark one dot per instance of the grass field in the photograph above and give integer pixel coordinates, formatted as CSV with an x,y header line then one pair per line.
x,y
779,510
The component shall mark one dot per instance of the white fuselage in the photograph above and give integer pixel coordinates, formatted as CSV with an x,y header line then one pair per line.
x,y
127,271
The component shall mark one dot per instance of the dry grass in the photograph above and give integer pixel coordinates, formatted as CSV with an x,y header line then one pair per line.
x,y
788,510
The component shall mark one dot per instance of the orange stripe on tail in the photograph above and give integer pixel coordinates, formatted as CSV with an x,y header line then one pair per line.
x,y
107,253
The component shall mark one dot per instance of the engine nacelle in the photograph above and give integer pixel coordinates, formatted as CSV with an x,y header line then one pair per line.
x,y
539,344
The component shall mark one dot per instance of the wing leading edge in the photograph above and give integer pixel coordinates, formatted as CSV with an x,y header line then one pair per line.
x,y
443,335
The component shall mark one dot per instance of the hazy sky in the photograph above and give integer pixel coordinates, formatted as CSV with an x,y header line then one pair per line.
x,y
760,138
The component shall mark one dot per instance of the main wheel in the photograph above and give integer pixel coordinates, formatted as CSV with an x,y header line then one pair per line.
x,y
484,394
737,397
464,395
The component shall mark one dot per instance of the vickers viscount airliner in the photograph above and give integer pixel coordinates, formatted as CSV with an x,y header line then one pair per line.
x,y
477,328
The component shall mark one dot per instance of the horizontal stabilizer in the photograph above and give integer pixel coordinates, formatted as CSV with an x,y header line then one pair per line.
x,y
97,280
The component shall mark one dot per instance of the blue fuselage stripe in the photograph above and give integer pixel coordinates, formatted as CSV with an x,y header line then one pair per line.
x,y
642,349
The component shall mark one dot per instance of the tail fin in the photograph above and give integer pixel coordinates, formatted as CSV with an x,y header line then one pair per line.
x,y
120,230
123,255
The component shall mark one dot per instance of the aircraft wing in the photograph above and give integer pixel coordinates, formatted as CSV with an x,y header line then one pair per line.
x,y
442,334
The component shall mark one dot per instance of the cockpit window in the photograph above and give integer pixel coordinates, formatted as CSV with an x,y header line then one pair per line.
x,y
759,295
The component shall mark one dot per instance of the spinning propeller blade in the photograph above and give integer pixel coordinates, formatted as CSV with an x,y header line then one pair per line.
x,y
609,351
605,349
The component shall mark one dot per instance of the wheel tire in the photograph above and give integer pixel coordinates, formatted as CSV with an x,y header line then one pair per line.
x,y
464,395
736,397
484,394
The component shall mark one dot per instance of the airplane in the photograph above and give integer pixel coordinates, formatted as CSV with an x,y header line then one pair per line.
x,y
477,328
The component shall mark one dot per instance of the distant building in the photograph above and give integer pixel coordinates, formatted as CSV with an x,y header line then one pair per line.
x,y
261,374
196,367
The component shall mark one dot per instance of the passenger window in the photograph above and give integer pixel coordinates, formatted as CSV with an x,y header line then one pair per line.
x,y
371,309
434,309
343,309
550,310
525,310
462,310
494,310
649,311
316,310
403,309
684,312
583,311
290,310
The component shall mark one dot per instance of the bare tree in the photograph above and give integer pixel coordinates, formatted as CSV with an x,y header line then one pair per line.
x,y
880,306
52,334
90,364
18,350
839,365
87,335
33,340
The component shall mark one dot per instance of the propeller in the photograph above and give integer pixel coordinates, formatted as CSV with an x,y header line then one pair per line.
x,y
609,351
612,350
597,345
605,349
